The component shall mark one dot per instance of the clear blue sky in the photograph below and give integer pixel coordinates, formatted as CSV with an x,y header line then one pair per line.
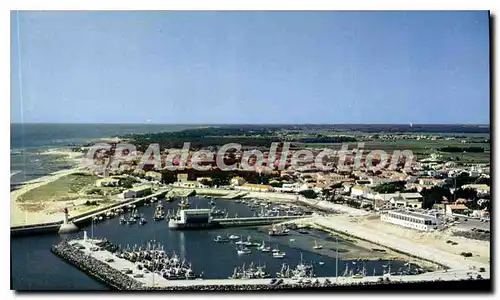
x,y
251,67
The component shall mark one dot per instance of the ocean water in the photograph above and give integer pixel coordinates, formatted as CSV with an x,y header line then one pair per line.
x,y
29,141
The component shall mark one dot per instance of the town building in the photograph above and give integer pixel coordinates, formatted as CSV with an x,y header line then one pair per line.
x,y
411,219
254,187
237,181
456,209
108,182
152,175
481,214
182,177
482,189
137,191
189,184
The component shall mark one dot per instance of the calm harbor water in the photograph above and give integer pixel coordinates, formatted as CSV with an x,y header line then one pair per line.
x,y
34,267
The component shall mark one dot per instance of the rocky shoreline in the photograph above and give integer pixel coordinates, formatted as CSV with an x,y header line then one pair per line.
x,y
93,267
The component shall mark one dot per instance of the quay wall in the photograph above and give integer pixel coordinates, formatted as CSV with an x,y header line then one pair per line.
x,y
46,228
80,219
458,284
94,265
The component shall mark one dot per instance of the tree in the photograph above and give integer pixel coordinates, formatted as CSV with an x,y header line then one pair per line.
x,y
275,183
336,185
465,193
434,195
390,187
310,194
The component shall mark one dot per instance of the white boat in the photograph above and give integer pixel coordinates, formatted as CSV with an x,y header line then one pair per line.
x,y
233,237
243,251
279,254
248,243
263,247
321,263
292,240
316,246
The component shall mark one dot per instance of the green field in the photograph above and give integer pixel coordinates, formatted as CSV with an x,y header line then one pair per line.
x,y
421,148
62,189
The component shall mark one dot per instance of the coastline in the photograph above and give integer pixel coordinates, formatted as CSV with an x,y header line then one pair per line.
x,y
20,217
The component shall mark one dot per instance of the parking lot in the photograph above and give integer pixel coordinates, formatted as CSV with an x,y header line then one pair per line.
x,y
471,223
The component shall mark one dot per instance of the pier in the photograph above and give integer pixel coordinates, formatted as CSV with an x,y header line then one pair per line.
x,y
235,195
254,221
81,219
109,268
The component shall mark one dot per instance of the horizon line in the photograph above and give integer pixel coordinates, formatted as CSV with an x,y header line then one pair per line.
x,y
217,124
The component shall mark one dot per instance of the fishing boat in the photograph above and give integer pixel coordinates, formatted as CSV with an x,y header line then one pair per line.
x,y
248,243
184,203
299,272
123,220
135,215
220,239
233,237
263,247
243,250
316,246
250,273
275,231
142,221
212,202
131,220
360,274
218,212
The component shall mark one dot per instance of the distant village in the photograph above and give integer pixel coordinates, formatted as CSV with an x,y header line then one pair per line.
x,y
415,197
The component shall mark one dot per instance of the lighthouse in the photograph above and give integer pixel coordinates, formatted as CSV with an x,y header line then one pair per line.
x,y
66,226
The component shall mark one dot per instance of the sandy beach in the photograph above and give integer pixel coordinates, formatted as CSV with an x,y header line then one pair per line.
x,y
20,217
427,245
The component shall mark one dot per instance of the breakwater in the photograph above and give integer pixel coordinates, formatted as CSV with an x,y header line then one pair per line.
x,y
101,263
95,268
460,284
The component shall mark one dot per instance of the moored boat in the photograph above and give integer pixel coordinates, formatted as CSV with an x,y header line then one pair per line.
x,y
243,250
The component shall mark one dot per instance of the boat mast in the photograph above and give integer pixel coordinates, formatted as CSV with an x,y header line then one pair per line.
x,y
337,259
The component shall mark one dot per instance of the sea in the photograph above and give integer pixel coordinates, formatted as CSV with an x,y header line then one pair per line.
x,y
30,142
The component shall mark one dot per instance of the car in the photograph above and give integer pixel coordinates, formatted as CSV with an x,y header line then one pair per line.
x,y
274,280
482,270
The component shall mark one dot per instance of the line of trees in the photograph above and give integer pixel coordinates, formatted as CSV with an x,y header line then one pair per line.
x,y
462,149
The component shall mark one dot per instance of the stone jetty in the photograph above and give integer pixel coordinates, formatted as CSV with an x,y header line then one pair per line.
x,y
97,258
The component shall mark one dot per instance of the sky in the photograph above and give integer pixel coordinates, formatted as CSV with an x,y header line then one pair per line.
x,y
250,67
